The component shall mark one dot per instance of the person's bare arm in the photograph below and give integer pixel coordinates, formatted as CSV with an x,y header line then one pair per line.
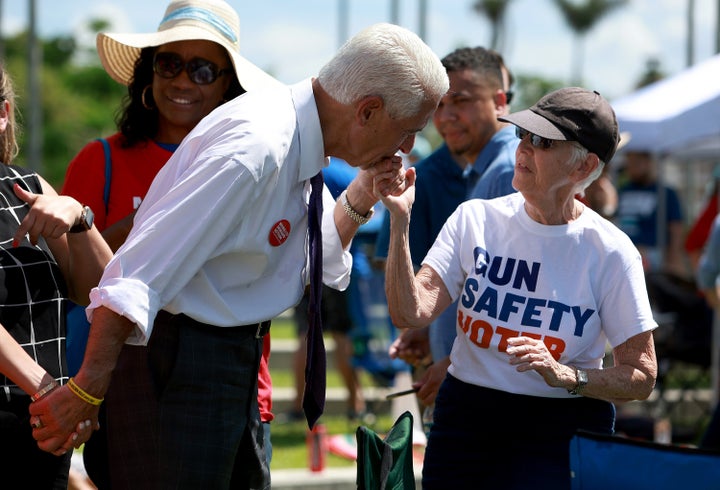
x,y
17,365
413,300
62,410
634,372
32,378
81,256
116,233
632,377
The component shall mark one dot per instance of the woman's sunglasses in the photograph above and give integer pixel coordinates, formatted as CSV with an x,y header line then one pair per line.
x,y
200,71
535,140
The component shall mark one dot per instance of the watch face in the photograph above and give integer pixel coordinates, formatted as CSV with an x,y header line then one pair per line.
x,y
86,221
88,217
582,379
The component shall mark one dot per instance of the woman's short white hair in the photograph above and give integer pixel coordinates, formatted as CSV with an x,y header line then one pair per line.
x,y
580,153
387,61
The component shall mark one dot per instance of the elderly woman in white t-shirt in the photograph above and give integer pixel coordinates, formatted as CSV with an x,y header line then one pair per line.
x,y
543,284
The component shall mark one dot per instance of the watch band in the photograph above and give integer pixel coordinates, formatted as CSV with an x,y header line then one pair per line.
x,y
582,380
86,221
350,211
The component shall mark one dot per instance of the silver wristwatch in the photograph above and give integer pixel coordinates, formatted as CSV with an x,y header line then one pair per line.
x,y
582,380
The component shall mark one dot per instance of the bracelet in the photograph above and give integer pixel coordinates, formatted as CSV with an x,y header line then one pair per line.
x,y
44,390
350,211
82,394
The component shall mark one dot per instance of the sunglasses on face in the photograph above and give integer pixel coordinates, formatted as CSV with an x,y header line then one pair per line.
x,y
535,140
199,70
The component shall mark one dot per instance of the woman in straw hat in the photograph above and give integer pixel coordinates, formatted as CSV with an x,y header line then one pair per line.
x,y
175,77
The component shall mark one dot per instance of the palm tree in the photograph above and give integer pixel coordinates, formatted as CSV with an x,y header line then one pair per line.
x,y
652,74
581,17
495,11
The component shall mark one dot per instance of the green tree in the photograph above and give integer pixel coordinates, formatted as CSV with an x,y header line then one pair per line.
x,y
652,74
532,88
581,17
78,102
495,11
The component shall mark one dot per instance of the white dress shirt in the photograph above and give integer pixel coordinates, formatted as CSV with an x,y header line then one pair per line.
x,y
211,239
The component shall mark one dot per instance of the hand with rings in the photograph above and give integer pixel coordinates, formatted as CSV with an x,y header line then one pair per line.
x,y
82,433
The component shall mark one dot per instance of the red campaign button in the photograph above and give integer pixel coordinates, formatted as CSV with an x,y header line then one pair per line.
x,y
279,233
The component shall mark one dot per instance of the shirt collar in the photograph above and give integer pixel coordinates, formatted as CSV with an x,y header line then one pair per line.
x,y
493,147
312,148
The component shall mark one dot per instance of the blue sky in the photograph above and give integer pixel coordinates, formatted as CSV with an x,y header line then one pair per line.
x,y
293,38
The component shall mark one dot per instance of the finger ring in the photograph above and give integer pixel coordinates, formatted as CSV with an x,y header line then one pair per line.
x,y
37,424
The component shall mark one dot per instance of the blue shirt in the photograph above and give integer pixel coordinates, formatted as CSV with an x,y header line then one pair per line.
x,y
637,212
492,173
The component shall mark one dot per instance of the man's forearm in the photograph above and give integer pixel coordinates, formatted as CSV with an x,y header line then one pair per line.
x,y
346,227
108,333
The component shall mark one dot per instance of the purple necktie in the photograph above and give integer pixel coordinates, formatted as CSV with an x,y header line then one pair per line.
x,y
315,365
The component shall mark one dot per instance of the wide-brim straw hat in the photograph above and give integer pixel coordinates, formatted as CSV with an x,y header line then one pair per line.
x,y
184,20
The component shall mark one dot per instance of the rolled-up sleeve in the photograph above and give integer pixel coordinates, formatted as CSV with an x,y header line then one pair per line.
x,y
337,262
170,229
131,299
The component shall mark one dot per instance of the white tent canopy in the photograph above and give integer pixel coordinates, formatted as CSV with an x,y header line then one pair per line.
x,y
678,116
676,113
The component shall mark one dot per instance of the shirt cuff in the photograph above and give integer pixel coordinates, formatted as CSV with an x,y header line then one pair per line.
x,y
337,262
129,298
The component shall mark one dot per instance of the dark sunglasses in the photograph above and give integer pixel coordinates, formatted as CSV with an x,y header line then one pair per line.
x,y
200,71
535,140
509,96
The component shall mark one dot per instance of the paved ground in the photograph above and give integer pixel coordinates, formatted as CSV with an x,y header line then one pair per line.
x,y
329,479
294,479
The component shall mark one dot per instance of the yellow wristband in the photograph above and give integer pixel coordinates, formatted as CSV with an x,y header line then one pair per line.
x,y
82,394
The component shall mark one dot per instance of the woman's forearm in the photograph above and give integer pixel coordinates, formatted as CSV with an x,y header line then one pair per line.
x,y
17,365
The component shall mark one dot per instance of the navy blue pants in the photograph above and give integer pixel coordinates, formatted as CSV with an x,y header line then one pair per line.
x,y
210,434
484,438
183,412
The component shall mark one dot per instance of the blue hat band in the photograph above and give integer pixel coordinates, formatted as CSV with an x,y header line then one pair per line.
x,y
194,13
